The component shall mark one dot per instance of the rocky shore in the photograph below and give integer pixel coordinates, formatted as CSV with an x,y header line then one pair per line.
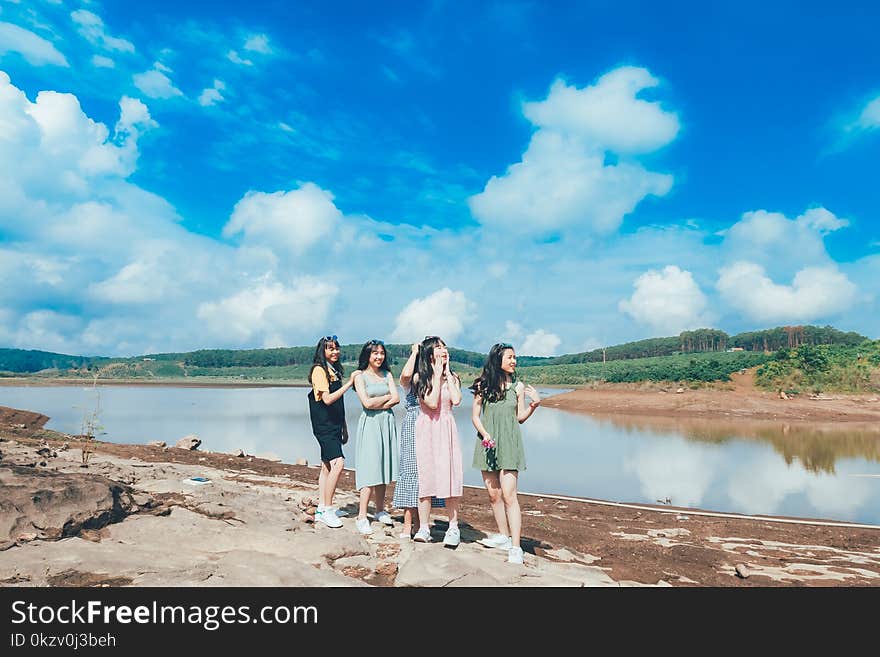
x,y
134,517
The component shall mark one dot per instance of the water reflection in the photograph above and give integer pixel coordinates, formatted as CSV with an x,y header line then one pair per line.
x,y
748,467
817,446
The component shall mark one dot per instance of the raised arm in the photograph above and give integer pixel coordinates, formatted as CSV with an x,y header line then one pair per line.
x,y
432,400
392,390
331,397
370,403
524,412
454,388
409,367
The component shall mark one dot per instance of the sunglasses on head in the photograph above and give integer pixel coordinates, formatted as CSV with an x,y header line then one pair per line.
x,y
328,338
506,345
377,342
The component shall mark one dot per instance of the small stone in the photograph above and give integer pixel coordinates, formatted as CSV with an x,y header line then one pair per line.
x,y
782,394
312,510
742,571
679,391
301,461
305,517
189,442
157,443
144,500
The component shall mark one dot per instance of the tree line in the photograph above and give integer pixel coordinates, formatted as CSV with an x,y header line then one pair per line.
x,y
698,341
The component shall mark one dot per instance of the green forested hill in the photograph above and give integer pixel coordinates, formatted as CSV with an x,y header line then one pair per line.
x,y
788,355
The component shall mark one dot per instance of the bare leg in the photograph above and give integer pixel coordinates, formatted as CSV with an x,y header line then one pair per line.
x,y
493,486
322,482
331,478
452,510
365,492
425,513
509,480
379,497
407,521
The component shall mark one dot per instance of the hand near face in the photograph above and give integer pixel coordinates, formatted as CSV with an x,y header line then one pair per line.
x,y
414,349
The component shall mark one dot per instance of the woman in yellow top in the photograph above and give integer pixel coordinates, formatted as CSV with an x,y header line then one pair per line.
x,y
327,413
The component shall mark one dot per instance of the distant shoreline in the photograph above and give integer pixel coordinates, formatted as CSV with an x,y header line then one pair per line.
x,y
161,383
185,383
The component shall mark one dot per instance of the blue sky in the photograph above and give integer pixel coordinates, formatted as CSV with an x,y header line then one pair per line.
x,y
560,175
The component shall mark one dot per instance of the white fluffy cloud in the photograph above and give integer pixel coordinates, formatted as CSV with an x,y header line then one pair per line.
x,y
271,310
564,178
668,300
290,221
91,26
781,244
540,343
54,134
444,313
815,292
155,84
211,95
34,48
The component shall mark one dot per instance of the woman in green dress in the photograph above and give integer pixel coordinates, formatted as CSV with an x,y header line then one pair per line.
x,y
499,408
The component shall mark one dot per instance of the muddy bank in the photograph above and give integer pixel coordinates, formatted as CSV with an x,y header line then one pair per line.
x,y
737,400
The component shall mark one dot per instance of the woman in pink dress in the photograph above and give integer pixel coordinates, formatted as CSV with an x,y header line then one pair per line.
x,y
438,452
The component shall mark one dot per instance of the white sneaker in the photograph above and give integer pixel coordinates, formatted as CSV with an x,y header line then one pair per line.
x,y
328,518
385,518
363,526
452,537
423,535
515,555
499,541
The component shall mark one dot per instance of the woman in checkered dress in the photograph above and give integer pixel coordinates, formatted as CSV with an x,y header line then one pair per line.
x,y
406,490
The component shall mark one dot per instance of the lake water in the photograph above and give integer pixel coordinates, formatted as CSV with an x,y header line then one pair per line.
x,y
754,468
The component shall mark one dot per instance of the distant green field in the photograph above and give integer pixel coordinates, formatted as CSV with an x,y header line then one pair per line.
x,y
716,366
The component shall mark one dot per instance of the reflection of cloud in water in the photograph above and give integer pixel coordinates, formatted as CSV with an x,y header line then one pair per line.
x,y
837,495
762,484
543,427
674,469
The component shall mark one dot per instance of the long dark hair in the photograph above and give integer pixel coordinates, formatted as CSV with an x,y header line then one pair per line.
x,y
321,359
425,366
366,352
490,384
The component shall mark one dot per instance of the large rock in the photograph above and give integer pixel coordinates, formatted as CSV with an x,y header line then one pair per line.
x,y
52,505
189,442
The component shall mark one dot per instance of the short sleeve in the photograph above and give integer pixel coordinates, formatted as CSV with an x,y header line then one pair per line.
x,y
519,387
320,384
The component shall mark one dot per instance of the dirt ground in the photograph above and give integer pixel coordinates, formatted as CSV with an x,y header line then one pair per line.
x,y
739,399
647,544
